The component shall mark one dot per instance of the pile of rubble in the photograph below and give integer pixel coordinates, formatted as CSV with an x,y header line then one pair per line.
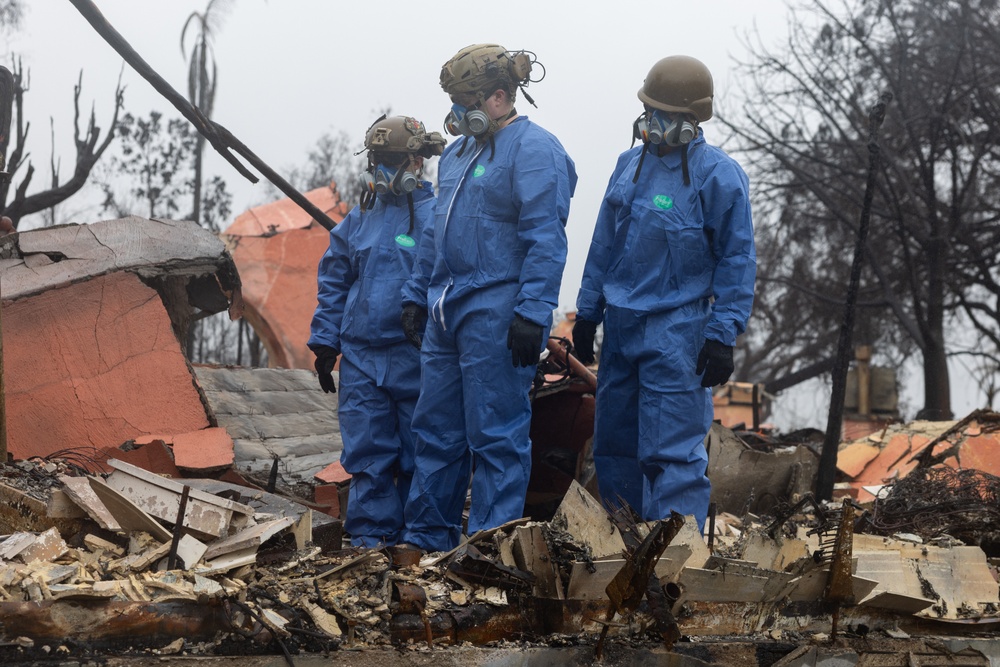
x,y
170,565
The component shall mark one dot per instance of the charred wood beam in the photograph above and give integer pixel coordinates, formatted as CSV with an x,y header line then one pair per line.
x,y
104,623
828,457
6,110
222,140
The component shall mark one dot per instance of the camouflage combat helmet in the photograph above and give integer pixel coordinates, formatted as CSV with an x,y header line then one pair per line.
x,y
482,68
679,84
403,135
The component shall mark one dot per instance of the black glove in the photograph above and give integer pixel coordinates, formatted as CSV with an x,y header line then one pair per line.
x,y
524,340
326,357
716,360
583,340
414,318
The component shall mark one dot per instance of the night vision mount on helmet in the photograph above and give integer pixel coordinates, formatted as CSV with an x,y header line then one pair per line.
x,y
392,144
480,69
403,134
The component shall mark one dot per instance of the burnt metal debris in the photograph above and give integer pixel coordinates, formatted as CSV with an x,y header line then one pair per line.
x,y
263,582
930,502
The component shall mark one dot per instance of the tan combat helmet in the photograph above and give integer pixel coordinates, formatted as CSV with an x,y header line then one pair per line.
x,y
402,135
480,69
679,84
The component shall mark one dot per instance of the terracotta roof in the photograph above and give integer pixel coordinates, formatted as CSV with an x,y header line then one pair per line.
x,y
277,248
881,458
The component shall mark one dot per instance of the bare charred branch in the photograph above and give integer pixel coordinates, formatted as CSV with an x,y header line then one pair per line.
x,y
89,149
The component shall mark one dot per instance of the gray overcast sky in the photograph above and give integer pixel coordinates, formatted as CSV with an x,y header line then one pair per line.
x,y
290,70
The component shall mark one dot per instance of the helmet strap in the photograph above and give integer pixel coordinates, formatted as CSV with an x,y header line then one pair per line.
x,y
684,164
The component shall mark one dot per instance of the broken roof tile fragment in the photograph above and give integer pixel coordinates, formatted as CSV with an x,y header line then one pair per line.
x,y
206,450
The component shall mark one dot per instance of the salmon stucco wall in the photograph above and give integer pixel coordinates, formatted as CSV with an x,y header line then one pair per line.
x,y
92,365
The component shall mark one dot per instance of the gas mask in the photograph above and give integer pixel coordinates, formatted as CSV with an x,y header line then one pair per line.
x,y
657,127
472,122
384,180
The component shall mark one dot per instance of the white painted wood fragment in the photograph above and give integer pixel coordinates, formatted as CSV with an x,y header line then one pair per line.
x,y
325,622
46,547
249,537
587,521
15,544
79,491
190,551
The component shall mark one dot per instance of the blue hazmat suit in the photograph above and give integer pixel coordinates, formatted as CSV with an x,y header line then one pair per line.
x,y
360,277
670,265
498,248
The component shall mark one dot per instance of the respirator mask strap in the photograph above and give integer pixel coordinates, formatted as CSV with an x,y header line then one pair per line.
x,y
409,202
642,158
684,164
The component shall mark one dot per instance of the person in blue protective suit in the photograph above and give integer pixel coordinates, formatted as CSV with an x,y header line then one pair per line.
x,y
371,254
670,273
489,277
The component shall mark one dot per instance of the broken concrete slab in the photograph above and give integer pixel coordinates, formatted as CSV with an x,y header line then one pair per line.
x,y
253,536
327,531
190,551
99,545
853,458
61,506
333,474
15,544
20,511
46,547
149,247
147,452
